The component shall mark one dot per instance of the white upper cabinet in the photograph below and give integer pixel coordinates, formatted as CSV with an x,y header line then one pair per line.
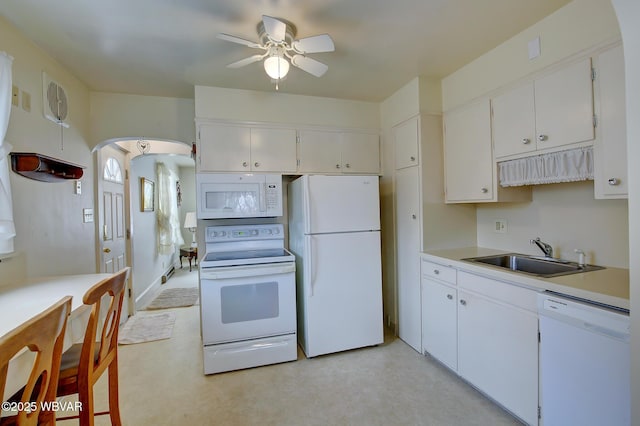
x,y
564,106
406,140
235,148
273,150
514,130
224,148
550,112
323,151
610,150
360,153
469,167
319,152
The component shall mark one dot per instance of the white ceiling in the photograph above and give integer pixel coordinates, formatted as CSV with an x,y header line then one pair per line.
x,y
165,47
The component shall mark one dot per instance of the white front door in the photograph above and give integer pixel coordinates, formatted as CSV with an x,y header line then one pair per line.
x,y
112,215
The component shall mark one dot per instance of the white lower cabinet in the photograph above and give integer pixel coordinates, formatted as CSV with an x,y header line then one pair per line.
x,y
439,322
485,330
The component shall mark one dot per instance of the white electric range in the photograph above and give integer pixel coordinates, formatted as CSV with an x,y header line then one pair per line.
x,y
248,298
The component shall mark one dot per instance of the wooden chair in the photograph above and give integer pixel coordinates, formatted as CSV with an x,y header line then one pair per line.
x,y
83,364
43,334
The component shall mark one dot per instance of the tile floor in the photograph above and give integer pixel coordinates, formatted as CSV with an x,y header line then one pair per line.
x,y
161,383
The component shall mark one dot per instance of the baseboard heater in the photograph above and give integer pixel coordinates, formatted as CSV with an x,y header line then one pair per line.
x,y
168,274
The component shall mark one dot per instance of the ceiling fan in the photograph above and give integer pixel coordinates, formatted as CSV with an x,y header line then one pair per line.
x,y
277,40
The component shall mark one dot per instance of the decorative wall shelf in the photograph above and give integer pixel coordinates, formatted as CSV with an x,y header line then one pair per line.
x,y
43,168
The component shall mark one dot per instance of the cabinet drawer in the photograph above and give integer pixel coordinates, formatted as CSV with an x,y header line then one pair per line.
x,y
439,272
498,290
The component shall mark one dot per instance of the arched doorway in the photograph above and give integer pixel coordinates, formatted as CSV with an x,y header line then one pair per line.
x,y
127,230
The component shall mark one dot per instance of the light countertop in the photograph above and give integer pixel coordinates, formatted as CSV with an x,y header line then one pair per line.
x,y
609,286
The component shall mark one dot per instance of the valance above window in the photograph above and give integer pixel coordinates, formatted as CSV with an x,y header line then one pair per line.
x,y
563,166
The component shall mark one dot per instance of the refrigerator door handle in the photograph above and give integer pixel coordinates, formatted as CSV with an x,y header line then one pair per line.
x,y
306,195
308,267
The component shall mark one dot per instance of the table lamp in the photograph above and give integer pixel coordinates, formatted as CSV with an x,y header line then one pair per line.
x,y
191,223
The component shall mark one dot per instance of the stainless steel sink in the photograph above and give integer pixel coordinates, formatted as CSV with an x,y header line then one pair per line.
x,y
542,267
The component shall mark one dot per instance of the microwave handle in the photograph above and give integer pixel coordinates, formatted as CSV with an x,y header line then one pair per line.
x,y
263,197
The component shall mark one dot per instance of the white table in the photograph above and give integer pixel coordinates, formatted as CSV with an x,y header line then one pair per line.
x,y
21,302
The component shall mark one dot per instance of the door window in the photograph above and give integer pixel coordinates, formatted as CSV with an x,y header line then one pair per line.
x,y
249,302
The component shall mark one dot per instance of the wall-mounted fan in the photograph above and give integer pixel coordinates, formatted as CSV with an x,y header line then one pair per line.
x,y
277,40
54,100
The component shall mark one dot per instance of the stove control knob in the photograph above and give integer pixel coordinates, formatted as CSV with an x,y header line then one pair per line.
x,y
276,231
222,233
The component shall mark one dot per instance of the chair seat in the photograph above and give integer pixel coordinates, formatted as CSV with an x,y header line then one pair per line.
x,y
71,357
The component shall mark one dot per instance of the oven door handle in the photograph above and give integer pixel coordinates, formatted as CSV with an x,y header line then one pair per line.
x,y
214,274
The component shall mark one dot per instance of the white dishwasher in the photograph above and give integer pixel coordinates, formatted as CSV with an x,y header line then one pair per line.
x,y
584,363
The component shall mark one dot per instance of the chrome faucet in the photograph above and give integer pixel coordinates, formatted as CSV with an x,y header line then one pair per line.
x,y
546,248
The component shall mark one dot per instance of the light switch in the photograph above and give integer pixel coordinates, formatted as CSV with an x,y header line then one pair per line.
x,y
87,215
78,188
26,101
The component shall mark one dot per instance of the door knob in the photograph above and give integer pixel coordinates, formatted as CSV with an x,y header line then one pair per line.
x,y
106,250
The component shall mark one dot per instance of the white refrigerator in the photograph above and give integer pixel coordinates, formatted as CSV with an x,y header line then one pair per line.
x,y
334,232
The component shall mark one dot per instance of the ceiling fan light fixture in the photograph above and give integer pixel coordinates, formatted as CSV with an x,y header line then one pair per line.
x,y
276,67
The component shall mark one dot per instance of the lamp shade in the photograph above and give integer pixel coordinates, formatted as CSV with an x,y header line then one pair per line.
x,y
276,67
190,220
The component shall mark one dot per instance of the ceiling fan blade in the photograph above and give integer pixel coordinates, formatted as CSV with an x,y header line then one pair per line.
x,y
239,40
315,44
309,65
275,28
245,61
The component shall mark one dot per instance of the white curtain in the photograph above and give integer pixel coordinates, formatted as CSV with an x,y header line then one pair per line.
x,y
169,234
7,228
564,166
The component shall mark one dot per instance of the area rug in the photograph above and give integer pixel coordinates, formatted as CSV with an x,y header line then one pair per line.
x,y
175,298
145,327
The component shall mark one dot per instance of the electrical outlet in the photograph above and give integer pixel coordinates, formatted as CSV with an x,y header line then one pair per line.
x,y
87,215
15,92
500,226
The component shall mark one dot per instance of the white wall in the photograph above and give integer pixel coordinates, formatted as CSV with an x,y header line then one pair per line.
x,y
628,12
274,107
48,216
116,115
559,214
575,27
565,216
148,265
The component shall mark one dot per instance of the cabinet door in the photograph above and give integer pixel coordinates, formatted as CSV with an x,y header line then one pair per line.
x,y
513,117
273,150
610,155
469,167
408,235
439,322
224,148
498,352
564,106
406,138
360,153
319,152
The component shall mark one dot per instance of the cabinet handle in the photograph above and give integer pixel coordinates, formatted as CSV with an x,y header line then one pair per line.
x,y
412,158
337,166
542,138
244,164
413,216
484,190
526,141
614,181
449,296
256,164
347,165
435,271
463,302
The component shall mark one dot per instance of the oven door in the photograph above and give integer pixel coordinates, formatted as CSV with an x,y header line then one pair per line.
x,y
247,302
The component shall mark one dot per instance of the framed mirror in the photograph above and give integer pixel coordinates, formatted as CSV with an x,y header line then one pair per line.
x,y
147,192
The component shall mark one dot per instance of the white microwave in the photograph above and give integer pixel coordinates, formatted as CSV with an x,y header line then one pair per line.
x,y
227,195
